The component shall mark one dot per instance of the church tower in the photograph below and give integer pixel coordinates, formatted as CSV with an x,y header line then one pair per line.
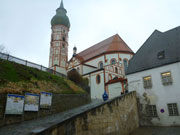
x,y
59,40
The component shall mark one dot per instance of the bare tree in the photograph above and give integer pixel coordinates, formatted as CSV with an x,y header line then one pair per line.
x,y
4,54
2,48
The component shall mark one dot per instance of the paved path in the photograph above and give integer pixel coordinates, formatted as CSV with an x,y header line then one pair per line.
x,y
40,124
157,131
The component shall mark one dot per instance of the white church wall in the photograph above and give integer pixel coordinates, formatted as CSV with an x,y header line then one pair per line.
x,y
87,69
89,78
159,95
97,90
125,56
94,62
114,89
111,56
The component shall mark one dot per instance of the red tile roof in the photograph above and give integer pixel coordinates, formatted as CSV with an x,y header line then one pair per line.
x,y
109,45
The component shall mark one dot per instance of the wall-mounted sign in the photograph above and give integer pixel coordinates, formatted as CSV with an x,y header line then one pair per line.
x,y
162,111
31,102
14,104
45,100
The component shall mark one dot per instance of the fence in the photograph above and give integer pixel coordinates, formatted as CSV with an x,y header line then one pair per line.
x,y
29,64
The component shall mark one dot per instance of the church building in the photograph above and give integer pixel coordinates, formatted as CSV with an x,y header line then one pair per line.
x,y
104,64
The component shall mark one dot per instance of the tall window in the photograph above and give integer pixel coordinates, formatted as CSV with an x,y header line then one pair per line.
x,y
152,111
100,65
116,70
57,37
166,78
113,61
98,79
125,62
147,82
173,109
57,43
63,45
63,38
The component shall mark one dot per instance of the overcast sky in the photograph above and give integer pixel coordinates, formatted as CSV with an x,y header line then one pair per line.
x,y
25,24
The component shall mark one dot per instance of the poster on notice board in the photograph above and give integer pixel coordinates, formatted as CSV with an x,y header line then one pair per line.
x,y
45,100
31,102
14,104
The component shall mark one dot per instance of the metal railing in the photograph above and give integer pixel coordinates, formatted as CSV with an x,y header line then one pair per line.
x,y
29,64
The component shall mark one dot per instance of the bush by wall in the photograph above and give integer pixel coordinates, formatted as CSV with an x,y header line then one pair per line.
x,y
74,76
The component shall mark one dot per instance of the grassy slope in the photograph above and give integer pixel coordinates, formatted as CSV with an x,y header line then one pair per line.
x,y
17,78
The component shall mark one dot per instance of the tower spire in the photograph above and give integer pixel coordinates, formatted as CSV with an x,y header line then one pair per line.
x,y
61,5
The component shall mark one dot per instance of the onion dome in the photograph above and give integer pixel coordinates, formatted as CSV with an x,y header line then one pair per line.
x,y
60,18
74,51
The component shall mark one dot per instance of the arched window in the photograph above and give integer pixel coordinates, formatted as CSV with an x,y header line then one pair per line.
x,y
113,61
100,65
116,70
63,38
57,37
57,51
125,62
63,45
98,79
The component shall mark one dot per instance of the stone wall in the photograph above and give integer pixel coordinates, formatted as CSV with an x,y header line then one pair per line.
x,y
60,103
118,116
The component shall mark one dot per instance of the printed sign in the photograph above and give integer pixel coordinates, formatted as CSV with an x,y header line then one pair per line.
x,y
45,100
31,102
14,104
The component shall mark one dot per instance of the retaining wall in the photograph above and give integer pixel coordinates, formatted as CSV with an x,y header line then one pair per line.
x,y
60,103
118,116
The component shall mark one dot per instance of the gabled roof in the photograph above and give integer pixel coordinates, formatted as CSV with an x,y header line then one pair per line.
x,y
109,45
147,56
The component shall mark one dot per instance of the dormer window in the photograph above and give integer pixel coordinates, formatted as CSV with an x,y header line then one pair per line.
x,y
161,55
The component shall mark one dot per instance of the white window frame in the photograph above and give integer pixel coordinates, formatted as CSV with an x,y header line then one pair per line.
x,y
173,109
147,83
152,111
166,78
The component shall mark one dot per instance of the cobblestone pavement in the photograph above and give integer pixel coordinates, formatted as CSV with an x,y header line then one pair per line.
x,y
157,131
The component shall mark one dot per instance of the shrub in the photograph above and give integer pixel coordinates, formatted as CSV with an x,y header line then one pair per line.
x,y
74,76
